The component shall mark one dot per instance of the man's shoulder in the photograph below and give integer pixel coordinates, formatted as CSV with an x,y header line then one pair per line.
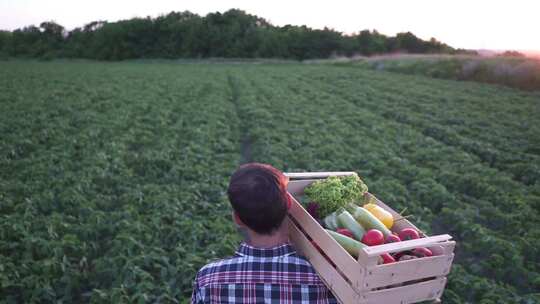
x,y
218,265
270,277
226,263
292,268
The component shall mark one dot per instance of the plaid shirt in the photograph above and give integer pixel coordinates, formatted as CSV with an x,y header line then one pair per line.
x,y
257,275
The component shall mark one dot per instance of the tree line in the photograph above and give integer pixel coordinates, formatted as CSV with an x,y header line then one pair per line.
x,y
232,34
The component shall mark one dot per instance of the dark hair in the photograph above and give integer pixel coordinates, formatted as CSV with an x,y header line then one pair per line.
x,y
258,195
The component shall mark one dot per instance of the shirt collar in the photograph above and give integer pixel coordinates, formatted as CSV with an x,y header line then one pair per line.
x,y
280,250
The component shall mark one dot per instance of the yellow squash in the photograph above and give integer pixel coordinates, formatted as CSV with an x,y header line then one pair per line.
x,y
384,216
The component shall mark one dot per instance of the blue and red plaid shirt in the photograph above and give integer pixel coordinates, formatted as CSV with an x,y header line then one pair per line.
x,y
260,275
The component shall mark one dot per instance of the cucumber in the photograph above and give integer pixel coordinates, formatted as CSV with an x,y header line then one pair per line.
x,y
351,246
346,220
330,221
369,221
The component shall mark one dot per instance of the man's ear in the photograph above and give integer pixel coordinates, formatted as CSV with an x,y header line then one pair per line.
x,y
237,219
289,200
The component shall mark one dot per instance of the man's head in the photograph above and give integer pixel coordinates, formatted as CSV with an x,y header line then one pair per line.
x,y
258,195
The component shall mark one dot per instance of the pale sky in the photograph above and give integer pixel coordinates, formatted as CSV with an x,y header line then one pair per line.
x,y
472,24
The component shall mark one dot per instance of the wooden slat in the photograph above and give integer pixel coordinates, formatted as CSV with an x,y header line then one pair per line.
x,y
351,271
331,277
296,188
316,175
367,261
399,272
444,248
424,291
406,245
343,260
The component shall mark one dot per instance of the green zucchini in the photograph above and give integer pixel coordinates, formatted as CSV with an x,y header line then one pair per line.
x,y
351,246
369,221
346,220
330,221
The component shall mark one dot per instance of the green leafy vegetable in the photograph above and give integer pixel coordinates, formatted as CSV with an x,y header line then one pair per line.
x,y
335,192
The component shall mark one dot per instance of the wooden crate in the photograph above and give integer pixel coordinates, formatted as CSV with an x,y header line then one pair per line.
x,y
362,280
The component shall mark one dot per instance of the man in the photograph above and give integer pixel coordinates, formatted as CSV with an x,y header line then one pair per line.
x,y
265,268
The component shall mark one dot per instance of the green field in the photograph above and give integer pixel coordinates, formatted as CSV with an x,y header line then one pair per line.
x,y
515,72
113,175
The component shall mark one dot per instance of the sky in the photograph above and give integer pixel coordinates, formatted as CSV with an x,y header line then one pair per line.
x,y
471,24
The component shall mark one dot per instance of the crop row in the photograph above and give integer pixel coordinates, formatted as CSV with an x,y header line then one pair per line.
x,y
321,120
112,181
113,175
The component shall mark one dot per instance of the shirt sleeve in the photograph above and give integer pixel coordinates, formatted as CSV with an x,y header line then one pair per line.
x,y
196,294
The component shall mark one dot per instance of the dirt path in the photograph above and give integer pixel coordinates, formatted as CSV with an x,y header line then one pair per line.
x,y
245,140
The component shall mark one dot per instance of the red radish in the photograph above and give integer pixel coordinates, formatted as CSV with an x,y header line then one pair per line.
x,y
422,252
345,232
392,238
387,258
313,209
373,237
408,234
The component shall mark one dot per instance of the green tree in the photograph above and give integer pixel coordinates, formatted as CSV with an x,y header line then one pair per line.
x,y
232,34
410,43
370,43
5,43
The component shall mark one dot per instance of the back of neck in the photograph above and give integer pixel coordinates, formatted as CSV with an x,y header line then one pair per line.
x,y
279,237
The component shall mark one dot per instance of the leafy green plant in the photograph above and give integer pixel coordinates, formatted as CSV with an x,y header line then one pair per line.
x,y
113,175
336,192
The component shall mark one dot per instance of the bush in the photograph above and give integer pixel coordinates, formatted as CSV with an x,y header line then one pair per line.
x,y
516,72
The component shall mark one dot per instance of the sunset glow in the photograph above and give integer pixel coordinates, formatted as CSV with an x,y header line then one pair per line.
x,y
461,24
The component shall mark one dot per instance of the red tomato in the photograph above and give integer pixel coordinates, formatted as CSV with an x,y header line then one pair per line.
x,y
392,238
408,234
387,258
422,252
373,237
